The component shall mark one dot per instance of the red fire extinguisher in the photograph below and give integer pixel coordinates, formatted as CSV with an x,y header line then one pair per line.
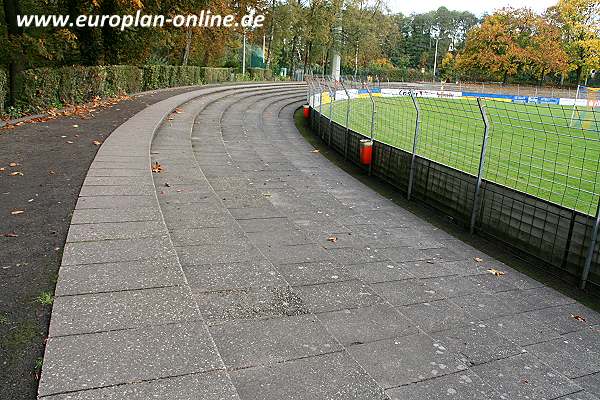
x,y
366,151
306,112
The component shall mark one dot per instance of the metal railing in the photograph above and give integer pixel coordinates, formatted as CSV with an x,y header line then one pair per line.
x,y
505,165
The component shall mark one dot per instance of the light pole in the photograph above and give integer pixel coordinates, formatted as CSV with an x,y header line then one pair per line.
x,y
436,32
435,57
244,55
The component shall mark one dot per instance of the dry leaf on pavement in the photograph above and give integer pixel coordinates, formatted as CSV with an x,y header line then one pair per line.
x,y
156,167
495,272
332,239
16,173
578,317
478,259
315,151
10,234
17,212
97,142
13,164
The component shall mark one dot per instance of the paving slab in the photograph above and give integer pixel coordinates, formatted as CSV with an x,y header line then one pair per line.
x,y
245,344
405,360
110,358
332,376
98,312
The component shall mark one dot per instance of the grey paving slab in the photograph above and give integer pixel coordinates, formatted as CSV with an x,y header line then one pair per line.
x,y
411,291
109,251
591,383
109,277
228,276
575,354
300,253
263,342
116,230
435,315
96,216
89,313
367,324
311,273
464,385
116,202
249,303
204,236
218,254
525,377
110,358
404,360
332,376
478,342
337,296
214,385
120,190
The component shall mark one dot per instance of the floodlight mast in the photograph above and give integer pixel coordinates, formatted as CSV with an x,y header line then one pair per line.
x,y
336,58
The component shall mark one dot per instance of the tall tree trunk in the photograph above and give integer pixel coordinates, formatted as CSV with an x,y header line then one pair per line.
x,y
271,34
306,56
12,8
188,45
356,59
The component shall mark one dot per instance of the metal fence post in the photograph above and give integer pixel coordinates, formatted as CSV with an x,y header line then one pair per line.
x,y
331,98
590,253
481,165
320,108
414,148
347,120
373,111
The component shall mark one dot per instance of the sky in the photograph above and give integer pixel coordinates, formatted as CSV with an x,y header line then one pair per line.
x,y
476,7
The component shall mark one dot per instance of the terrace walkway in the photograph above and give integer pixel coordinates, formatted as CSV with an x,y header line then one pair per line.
x,y
252,268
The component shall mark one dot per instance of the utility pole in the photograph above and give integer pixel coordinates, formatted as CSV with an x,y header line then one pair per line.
x,y
244,55
437,39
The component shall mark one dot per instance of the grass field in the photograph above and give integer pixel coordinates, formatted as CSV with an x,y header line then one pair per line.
x,y
543,150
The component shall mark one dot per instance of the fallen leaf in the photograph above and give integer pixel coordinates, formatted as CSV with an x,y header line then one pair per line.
x,y
17,212
16,173
332,239
70,142
167,184
2,169
10,234
156,167
578,317
13,164
75,126
178,110
51,172
315,151
264,194
478,259
97,142
495,272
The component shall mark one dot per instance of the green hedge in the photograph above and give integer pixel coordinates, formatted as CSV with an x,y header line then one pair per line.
x,y
122,79
3,89
41,88
214,75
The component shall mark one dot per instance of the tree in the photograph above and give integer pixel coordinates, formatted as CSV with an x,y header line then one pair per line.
x,y
579,21
511,42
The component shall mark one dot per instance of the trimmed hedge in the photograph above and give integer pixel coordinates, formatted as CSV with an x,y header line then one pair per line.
x,y
122,79
215,75
41,88
3,89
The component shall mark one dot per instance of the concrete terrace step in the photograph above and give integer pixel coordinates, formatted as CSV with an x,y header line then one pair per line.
x,y
218,279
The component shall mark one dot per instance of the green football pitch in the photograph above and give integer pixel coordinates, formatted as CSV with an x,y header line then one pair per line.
x,y
549,151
